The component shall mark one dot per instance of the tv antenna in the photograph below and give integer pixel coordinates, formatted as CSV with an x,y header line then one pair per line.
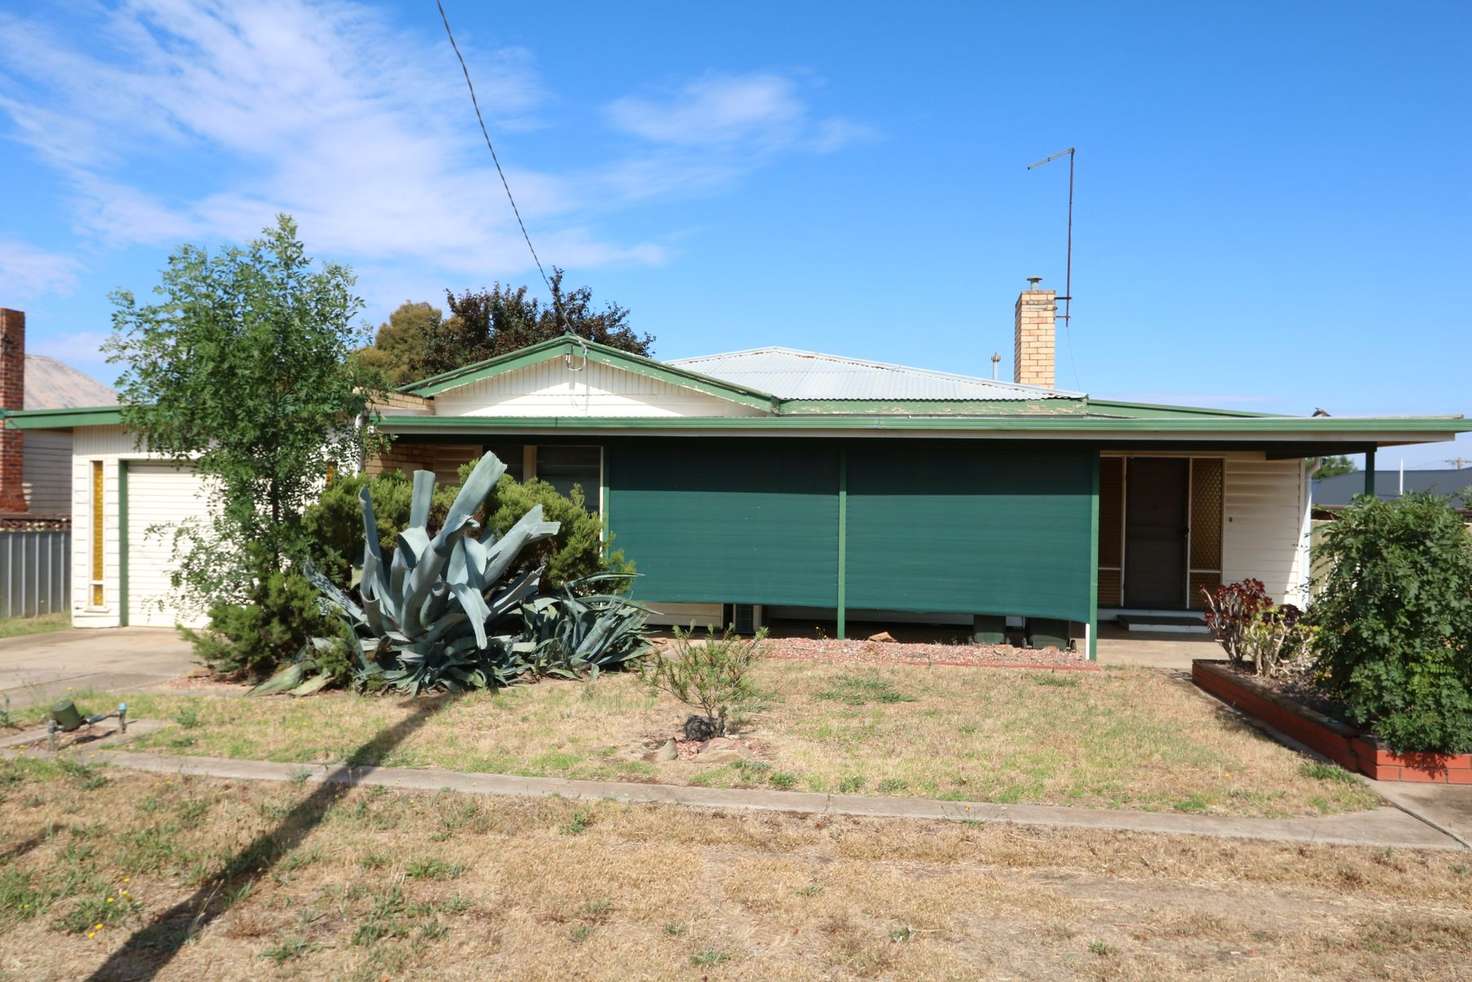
x,y
1067,297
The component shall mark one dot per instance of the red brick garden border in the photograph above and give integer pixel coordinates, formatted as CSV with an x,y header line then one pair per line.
x,y
1346,746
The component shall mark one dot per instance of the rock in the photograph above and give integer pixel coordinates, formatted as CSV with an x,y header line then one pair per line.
x,y
667,751
721,757
699,728
882,636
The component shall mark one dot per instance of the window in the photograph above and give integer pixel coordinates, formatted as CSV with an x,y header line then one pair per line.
x,y
563,467
510,454
97,530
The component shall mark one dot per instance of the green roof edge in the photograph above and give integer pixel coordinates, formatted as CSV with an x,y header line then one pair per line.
x,y
65,418
601,354
1308,427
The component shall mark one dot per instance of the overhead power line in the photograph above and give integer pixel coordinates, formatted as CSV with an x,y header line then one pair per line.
x,y
444,18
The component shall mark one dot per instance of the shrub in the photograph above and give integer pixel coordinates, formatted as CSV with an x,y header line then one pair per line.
x,y
1395,620
1272,640
710,675
251,639
577,552
1231,609
335,524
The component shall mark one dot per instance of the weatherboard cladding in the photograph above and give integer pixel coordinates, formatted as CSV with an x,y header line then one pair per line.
x,y
936,528
791,374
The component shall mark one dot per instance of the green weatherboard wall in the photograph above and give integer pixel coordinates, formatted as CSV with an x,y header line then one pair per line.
x,y
969,528
941,526
731,521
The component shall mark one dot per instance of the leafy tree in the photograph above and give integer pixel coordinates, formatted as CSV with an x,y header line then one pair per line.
x,y
419,341
1334,466
400,349
241,371
1395,618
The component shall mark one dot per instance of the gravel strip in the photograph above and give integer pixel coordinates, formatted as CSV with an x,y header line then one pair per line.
x,y
896,653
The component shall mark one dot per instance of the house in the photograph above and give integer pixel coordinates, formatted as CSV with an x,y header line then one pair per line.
x,y
1332,494
36,468
771,482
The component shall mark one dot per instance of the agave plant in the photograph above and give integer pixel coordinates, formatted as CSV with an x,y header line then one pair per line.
x,y
426,614
579,632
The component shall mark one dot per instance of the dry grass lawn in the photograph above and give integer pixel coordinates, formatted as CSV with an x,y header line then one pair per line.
x,y
1127,738
126,874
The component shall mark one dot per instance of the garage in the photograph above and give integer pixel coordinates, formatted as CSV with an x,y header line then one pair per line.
x,y
156,498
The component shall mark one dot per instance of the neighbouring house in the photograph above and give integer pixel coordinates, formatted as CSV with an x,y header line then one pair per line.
x,y
772,482
1333,494
36,468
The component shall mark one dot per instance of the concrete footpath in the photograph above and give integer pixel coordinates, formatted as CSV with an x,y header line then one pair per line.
x,y
1380,827
38,668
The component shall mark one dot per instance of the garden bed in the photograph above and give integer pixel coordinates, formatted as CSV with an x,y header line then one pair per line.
x,y
1346,745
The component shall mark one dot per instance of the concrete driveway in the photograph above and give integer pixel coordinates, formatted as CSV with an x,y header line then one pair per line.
x,y
43,667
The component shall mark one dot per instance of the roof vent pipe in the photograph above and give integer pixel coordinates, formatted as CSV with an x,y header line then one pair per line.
x,y
996,360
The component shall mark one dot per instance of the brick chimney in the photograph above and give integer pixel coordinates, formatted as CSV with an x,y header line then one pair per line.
x,y
1033,344
12,396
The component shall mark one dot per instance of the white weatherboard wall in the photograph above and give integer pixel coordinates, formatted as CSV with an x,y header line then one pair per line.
x,y
175,498
1266,528
47,470
550,388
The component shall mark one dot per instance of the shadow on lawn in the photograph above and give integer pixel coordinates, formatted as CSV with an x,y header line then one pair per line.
x,y
150,948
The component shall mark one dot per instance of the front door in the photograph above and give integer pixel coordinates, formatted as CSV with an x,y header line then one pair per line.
x,y
1156,521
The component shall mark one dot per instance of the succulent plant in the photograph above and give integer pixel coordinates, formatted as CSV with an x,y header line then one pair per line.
x,y
429,615
574,633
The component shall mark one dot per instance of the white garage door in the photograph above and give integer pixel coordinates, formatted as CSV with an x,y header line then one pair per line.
x,y
159,497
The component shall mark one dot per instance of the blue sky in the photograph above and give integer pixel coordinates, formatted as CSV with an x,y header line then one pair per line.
x,y
1272,214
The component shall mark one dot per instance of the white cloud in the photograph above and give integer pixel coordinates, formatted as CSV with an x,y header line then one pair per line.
x,y
26,272
173,120
322,110
762,109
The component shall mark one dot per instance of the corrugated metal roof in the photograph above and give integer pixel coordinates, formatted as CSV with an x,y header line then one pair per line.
x,y
788,373
1341,489
51,384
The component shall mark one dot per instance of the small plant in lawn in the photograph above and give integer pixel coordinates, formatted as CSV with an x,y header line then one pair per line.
x,y
1101,949
188,717
287,949
1320,770
782,781
675,929
708,958
1057,679
902,934
580,822
712,676
433,869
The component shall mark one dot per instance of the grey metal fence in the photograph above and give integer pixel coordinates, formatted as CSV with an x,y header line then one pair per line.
x,y
35,571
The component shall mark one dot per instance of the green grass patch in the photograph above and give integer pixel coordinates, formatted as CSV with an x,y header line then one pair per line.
x,y
861,690
15,627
